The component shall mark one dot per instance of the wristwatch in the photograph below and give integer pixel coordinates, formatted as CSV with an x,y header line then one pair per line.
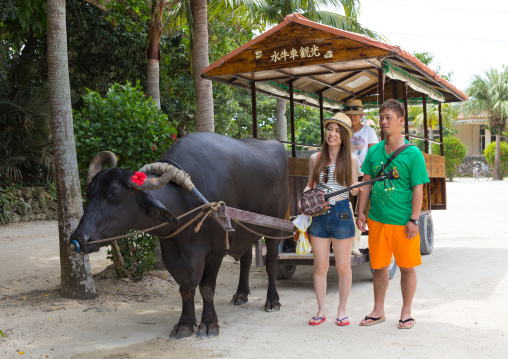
x,y
415,221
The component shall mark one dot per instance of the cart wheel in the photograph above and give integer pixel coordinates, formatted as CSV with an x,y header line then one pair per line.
x,y
287,245
391,269
426,230
284,272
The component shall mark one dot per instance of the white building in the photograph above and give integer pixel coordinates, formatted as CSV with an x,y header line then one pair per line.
x,y
472,131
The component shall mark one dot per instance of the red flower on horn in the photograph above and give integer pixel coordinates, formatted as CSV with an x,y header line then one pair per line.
x,y
138,178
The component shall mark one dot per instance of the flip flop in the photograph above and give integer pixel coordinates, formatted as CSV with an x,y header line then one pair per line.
x,y
405,321
321,320
374,321
342,322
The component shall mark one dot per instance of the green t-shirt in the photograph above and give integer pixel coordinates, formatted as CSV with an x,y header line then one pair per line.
x,y
394,206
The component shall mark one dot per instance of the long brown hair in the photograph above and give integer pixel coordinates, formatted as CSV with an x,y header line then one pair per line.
x,y
342,163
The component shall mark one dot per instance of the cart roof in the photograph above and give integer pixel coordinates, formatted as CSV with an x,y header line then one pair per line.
x,y
320,59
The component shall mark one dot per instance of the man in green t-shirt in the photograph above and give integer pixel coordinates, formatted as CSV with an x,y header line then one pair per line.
x,y
394,213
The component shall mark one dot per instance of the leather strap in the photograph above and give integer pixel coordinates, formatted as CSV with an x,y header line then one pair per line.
x,y
392,157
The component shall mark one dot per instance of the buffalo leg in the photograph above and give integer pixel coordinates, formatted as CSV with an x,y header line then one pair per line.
x,y
272,296
187,322
242,292
209,326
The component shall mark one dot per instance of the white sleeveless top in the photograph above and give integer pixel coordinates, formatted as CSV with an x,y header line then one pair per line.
x,y
332,185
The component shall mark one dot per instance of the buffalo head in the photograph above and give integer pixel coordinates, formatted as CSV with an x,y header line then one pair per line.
x,y
116,204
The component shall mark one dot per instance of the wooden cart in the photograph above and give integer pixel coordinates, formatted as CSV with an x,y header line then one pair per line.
x,y
316,65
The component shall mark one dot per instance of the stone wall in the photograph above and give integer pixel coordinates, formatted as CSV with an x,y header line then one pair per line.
x,y
31,204
466,167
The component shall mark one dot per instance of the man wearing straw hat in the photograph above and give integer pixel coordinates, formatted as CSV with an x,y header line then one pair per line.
x,y
364,137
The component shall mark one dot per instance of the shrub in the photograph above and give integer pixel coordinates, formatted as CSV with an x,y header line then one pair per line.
x,y
7,202
490,153
128,124
454,153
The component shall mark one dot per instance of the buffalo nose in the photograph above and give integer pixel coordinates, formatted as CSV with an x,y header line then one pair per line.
x,y
77,243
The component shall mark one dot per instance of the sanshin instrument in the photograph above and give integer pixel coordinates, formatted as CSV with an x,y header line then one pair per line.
x,y
314,202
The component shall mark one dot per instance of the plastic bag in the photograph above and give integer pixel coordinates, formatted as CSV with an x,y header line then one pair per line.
x,y
302,222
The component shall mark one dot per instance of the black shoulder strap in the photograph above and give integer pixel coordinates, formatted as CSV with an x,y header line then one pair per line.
x,y
392,157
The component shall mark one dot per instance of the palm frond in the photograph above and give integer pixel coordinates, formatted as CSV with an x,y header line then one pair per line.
x,y
346,23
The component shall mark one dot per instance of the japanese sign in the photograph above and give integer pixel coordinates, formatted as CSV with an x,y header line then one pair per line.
x,y
289,54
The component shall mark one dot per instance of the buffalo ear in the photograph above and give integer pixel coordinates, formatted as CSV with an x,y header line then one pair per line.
x,y
157,210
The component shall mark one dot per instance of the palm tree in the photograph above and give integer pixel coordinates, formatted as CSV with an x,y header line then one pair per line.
x,y
25,143
194,14
76,276
488,94
448,113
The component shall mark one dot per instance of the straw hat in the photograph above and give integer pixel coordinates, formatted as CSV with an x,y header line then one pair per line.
x,y
354,107
340,119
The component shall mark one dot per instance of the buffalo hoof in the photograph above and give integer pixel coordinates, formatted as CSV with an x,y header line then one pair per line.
x,y
208,330
180,331
273,306
239,299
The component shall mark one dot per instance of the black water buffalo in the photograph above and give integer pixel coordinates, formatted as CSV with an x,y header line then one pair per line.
x,y
247,174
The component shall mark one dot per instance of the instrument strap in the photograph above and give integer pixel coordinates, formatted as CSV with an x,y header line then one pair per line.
x,y
392,157
317,157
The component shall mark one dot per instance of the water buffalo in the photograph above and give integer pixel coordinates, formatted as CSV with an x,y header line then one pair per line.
x,y
247,174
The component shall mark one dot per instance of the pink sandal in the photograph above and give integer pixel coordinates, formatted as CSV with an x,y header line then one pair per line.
x,y
315,322
343,322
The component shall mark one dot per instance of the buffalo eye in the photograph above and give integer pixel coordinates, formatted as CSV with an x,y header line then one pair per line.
x,y
114,194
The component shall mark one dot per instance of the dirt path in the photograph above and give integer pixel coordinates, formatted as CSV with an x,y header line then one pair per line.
x,y
460,304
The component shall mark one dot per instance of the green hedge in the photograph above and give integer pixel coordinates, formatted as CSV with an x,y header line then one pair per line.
x,y
128,124
490,153
454,153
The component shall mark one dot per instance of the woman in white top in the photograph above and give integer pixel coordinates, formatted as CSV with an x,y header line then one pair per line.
x,y
363,138
332,169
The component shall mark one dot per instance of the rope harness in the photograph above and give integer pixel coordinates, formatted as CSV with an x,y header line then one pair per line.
x,y
206,210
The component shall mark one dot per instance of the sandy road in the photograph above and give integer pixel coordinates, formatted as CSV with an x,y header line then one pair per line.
x,y
460,304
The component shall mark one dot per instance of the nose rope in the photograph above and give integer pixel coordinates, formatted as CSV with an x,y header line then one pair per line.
x,y
159,225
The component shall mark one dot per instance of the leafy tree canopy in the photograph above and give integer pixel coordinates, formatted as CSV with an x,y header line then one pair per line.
x,y
100,52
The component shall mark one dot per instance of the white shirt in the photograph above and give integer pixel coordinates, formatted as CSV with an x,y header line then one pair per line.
x,y
360,144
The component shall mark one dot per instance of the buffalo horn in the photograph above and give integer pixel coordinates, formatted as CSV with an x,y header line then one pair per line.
x,y
167,173
99,162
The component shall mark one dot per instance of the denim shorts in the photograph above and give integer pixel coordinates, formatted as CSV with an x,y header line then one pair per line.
x,y
336,223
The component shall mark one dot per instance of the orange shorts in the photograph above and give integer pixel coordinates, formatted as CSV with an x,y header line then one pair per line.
x,y
388,239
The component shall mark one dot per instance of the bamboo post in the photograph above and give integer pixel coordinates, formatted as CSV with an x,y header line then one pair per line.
x,y
381,90
292,115
440,128
254,110
321,117
406,120
425,129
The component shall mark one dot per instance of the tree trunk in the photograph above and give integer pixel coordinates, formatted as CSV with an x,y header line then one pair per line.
x,y
152,86
153,54
199,51
497,158
281,123
76,275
